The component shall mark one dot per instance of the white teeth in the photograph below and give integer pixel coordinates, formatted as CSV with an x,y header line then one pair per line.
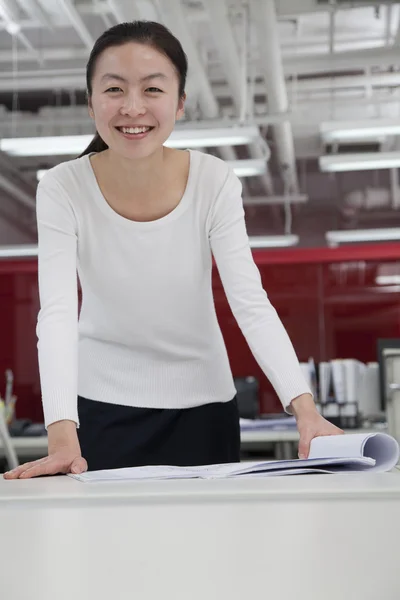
x,y
135,129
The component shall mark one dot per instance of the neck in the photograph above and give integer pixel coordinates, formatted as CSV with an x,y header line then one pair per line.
x,y
138,174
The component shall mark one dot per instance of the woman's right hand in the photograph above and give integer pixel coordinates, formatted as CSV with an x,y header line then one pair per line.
x,y
65,460
64,455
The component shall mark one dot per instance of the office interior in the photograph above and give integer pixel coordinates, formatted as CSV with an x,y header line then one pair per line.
x,y
302,98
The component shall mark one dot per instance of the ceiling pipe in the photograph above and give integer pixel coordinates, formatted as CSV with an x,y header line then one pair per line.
x,y
36,12
75,78
78,23
174,19
13,190
227,48
271,61
123,11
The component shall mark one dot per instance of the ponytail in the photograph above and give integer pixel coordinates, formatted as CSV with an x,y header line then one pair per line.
x,y
96,145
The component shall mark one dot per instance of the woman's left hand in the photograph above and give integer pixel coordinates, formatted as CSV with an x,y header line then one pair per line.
x,y
310,423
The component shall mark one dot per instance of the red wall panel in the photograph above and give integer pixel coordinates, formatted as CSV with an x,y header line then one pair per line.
x,y
328,299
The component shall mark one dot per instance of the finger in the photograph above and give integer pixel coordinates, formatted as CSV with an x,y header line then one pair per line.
x,y
79,466
48,466
15,473
304,446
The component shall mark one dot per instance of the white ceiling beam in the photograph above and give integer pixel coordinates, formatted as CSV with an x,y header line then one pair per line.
x,y
9,11
264,13
13,190
76,79
10,16
131,10
341,61
55,54
173,17
293,8
302,65
227,48
36,12
304,86
198,84
14,184
123,10
77,22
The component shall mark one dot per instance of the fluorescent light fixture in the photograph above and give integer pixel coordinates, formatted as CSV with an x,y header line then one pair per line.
x,y
334,238
18,251
45,146
248,167
181,138
372,129
388,280
359,162
205,138
242,168
273,241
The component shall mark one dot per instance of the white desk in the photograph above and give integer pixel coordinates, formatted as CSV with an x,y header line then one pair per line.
x,y
303,537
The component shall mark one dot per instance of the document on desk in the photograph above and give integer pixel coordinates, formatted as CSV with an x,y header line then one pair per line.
x,y
278,423
328,454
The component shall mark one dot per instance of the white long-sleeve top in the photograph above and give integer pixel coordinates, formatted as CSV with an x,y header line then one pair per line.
x,y
147,334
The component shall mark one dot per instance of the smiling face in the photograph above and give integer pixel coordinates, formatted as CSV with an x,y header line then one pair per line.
x,y
135,99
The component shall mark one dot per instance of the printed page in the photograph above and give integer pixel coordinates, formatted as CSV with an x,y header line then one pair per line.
x,y
136,473
335,446
380,447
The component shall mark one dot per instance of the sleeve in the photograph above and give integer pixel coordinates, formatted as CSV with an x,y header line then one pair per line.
x,y
57,326
257,318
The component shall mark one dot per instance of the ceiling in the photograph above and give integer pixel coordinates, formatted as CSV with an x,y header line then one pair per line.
x,y
304,61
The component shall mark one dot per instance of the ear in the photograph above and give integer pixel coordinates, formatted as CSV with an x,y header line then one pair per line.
x,y
180,111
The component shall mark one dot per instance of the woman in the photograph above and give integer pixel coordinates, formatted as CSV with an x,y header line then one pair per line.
x,y
145,378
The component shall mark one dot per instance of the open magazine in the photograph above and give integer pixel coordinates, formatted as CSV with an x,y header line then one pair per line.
x,y
328,454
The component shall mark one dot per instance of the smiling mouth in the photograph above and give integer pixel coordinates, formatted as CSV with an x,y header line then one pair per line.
x,y
134,130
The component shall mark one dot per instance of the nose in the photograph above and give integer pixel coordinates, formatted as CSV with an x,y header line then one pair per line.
x,y
133,104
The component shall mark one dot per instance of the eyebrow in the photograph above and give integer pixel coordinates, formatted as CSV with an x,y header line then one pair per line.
x,y
146,78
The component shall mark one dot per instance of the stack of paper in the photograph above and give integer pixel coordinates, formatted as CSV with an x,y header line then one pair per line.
x,y
268,424
329,454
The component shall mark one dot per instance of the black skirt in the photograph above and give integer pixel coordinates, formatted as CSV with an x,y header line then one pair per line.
x,y
114,436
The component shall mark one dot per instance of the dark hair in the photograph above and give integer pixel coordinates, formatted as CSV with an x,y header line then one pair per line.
x,y
143,32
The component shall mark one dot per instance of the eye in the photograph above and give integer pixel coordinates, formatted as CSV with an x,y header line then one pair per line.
x,y
153,90
113,89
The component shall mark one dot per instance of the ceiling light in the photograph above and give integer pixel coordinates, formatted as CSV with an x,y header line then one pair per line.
x,y
359,162
372,129
273,241
13,28
180,138
45,146
248,167
334,238
388,280
205,138
18,251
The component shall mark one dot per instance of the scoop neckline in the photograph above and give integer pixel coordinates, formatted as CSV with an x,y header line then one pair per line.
x,y
144,225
